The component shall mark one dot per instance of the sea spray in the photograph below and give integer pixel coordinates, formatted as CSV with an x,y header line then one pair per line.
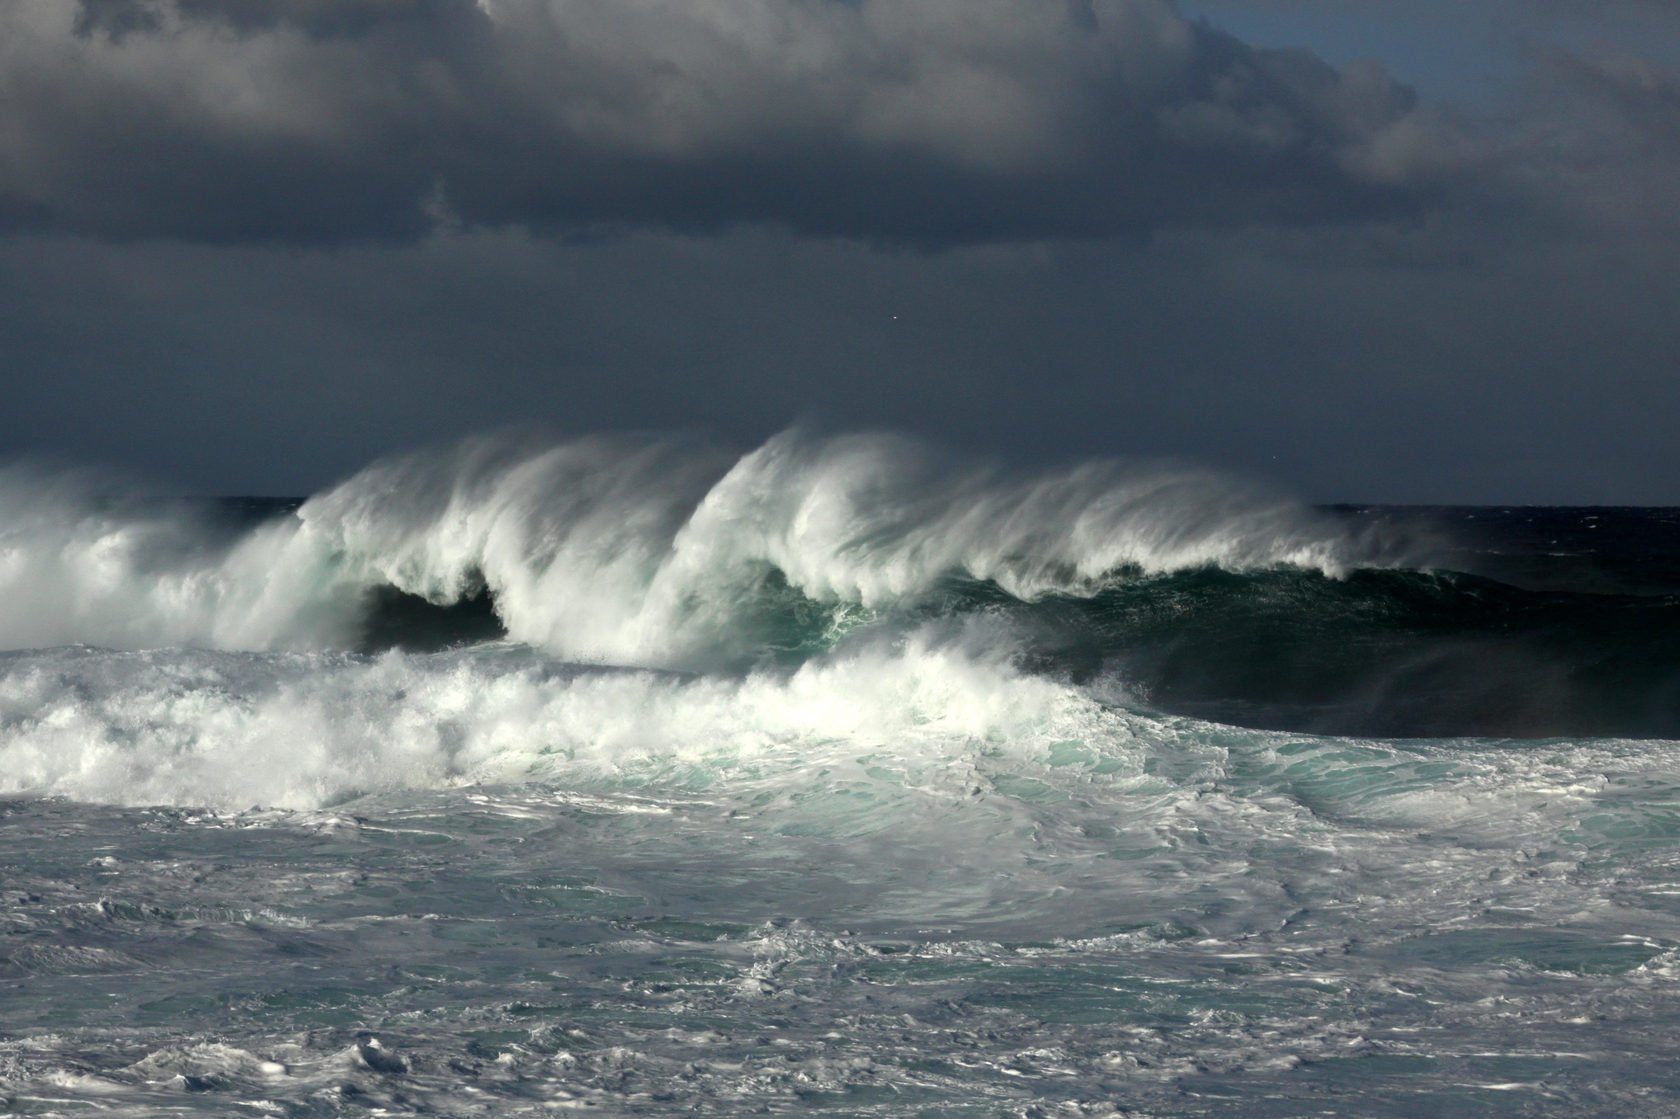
x,y
637,551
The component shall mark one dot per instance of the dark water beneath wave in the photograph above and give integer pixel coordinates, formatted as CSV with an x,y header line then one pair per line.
x,y
1527,622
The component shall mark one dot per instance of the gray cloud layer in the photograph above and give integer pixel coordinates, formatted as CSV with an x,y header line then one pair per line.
x,y
916,120
245,247
1608,124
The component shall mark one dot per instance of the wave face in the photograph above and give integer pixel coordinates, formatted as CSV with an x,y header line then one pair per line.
x,y
1387,653
839,777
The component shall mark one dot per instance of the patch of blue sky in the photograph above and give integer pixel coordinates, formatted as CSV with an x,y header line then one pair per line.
x,y
1447,49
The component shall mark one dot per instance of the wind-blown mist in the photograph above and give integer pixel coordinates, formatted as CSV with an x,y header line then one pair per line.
x,y
633,551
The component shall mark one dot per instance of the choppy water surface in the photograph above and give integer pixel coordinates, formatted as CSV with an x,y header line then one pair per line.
x,y
878,806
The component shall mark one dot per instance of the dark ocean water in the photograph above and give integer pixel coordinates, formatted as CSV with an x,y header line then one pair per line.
x,y
1525,622
627,775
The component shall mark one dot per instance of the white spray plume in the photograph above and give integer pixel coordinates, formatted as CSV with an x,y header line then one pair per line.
x,y
626,550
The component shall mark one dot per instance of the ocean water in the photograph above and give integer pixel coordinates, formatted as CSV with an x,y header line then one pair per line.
x,y
629,775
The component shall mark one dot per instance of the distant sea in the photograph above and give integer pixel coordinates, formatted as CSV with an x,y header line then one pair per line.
x,y
629,775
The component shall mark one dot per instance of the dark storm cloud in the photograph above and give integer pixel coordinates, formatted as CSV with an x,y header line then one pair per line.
x,y
1546,376
317,18
915,120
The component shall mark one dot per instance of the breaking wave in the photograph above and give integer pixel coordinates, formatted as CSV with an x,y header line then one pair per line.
x,y
632,551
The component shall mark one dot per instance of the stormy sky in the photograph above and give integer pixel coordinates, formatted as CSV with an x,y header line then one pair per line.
x,y
1370,250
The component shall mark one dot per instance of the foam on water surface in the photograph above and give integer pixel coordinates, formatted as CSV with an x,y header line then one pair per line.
x,y
829,778
904,881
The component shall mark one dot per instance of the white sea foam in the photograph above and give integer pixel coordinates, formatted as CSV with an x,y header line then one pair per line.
x,y
233,730
631,551
943,712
